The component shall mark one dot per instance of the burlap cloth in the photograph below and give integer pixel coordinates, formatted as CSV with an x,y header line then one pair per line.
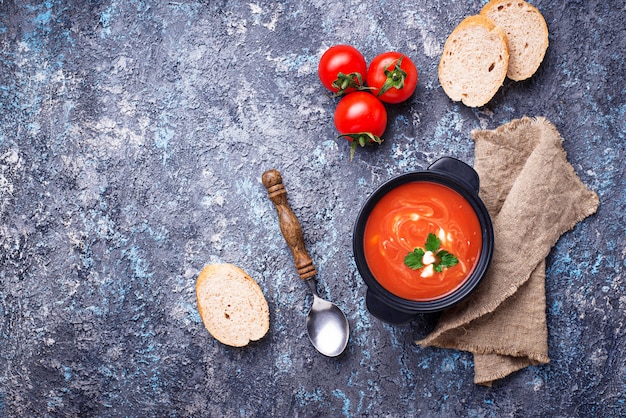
x,y
533,196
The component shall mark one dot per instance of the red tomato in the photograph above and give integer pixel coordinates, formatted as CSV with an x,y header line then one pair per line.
x,y
392,76
360,118
341,69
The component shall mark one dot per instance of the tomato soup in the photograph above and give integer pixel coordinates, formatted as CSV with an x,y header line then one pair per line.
x,y
401,221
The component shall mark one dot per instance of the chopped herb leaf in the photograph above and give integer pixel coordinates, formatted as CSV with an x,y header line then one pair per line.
x,y
432,242
413,259
447,259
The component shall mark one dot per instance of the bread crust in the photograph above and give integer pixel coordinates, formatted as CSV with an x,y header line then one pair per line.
x,y
477,81
231,304
526,32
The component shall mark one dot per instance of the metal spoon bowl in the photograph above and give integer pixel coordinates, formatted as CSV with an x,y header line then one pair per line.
x,y
326,324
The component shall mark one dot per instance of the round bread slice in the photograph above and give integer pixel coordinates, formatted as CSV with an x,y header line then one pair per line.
x,y
526,32
474,62
231,305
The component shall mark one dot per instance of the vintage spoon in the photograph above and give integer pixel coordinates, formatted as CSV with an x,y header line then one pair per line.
x,y
326,324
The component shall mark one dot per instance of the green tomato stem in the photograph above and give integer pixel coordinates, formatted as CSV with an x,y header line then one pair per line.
x,y
395,77
363,139
348,81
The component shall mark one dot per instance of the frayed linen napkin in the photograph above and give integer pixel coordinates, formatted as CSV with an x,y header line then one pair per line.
x,y
533,196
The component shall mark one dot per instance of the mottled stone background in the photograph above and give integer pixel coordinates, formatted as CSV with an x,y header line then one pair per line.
x,y
133,135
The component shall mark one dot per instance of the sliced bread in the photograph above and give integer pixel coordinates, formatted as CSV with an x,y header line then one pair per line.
x,y
231,305
474,62
526,32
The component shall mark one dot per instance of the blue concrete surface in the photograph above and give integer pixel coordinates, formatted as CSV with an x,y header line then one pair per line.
x,y
133,136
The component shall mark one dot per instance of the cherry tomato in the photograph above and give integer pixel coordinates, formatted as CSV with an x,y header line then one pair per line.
x,y
360,118
342,69
392,77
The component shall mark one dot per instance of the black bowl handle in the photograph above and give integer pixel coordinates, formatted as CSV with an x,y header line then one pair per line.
x,y
459,170
384,312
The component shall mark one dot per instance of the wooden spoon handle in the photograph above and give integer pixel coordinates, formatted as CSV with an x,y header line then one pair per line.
x,y
289,225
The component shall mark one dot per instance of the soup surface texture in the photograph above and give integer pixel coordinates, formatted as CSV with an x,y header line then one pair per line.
x,y
401,221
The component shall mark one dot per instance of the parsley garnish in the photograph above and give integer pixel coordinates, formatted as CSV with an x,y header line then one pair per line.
x,y
415,259
432,242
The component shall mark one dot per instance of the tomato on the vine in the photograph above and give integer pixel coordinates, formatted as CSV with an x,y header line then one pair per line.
x,y
392,76
360,118
342,69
